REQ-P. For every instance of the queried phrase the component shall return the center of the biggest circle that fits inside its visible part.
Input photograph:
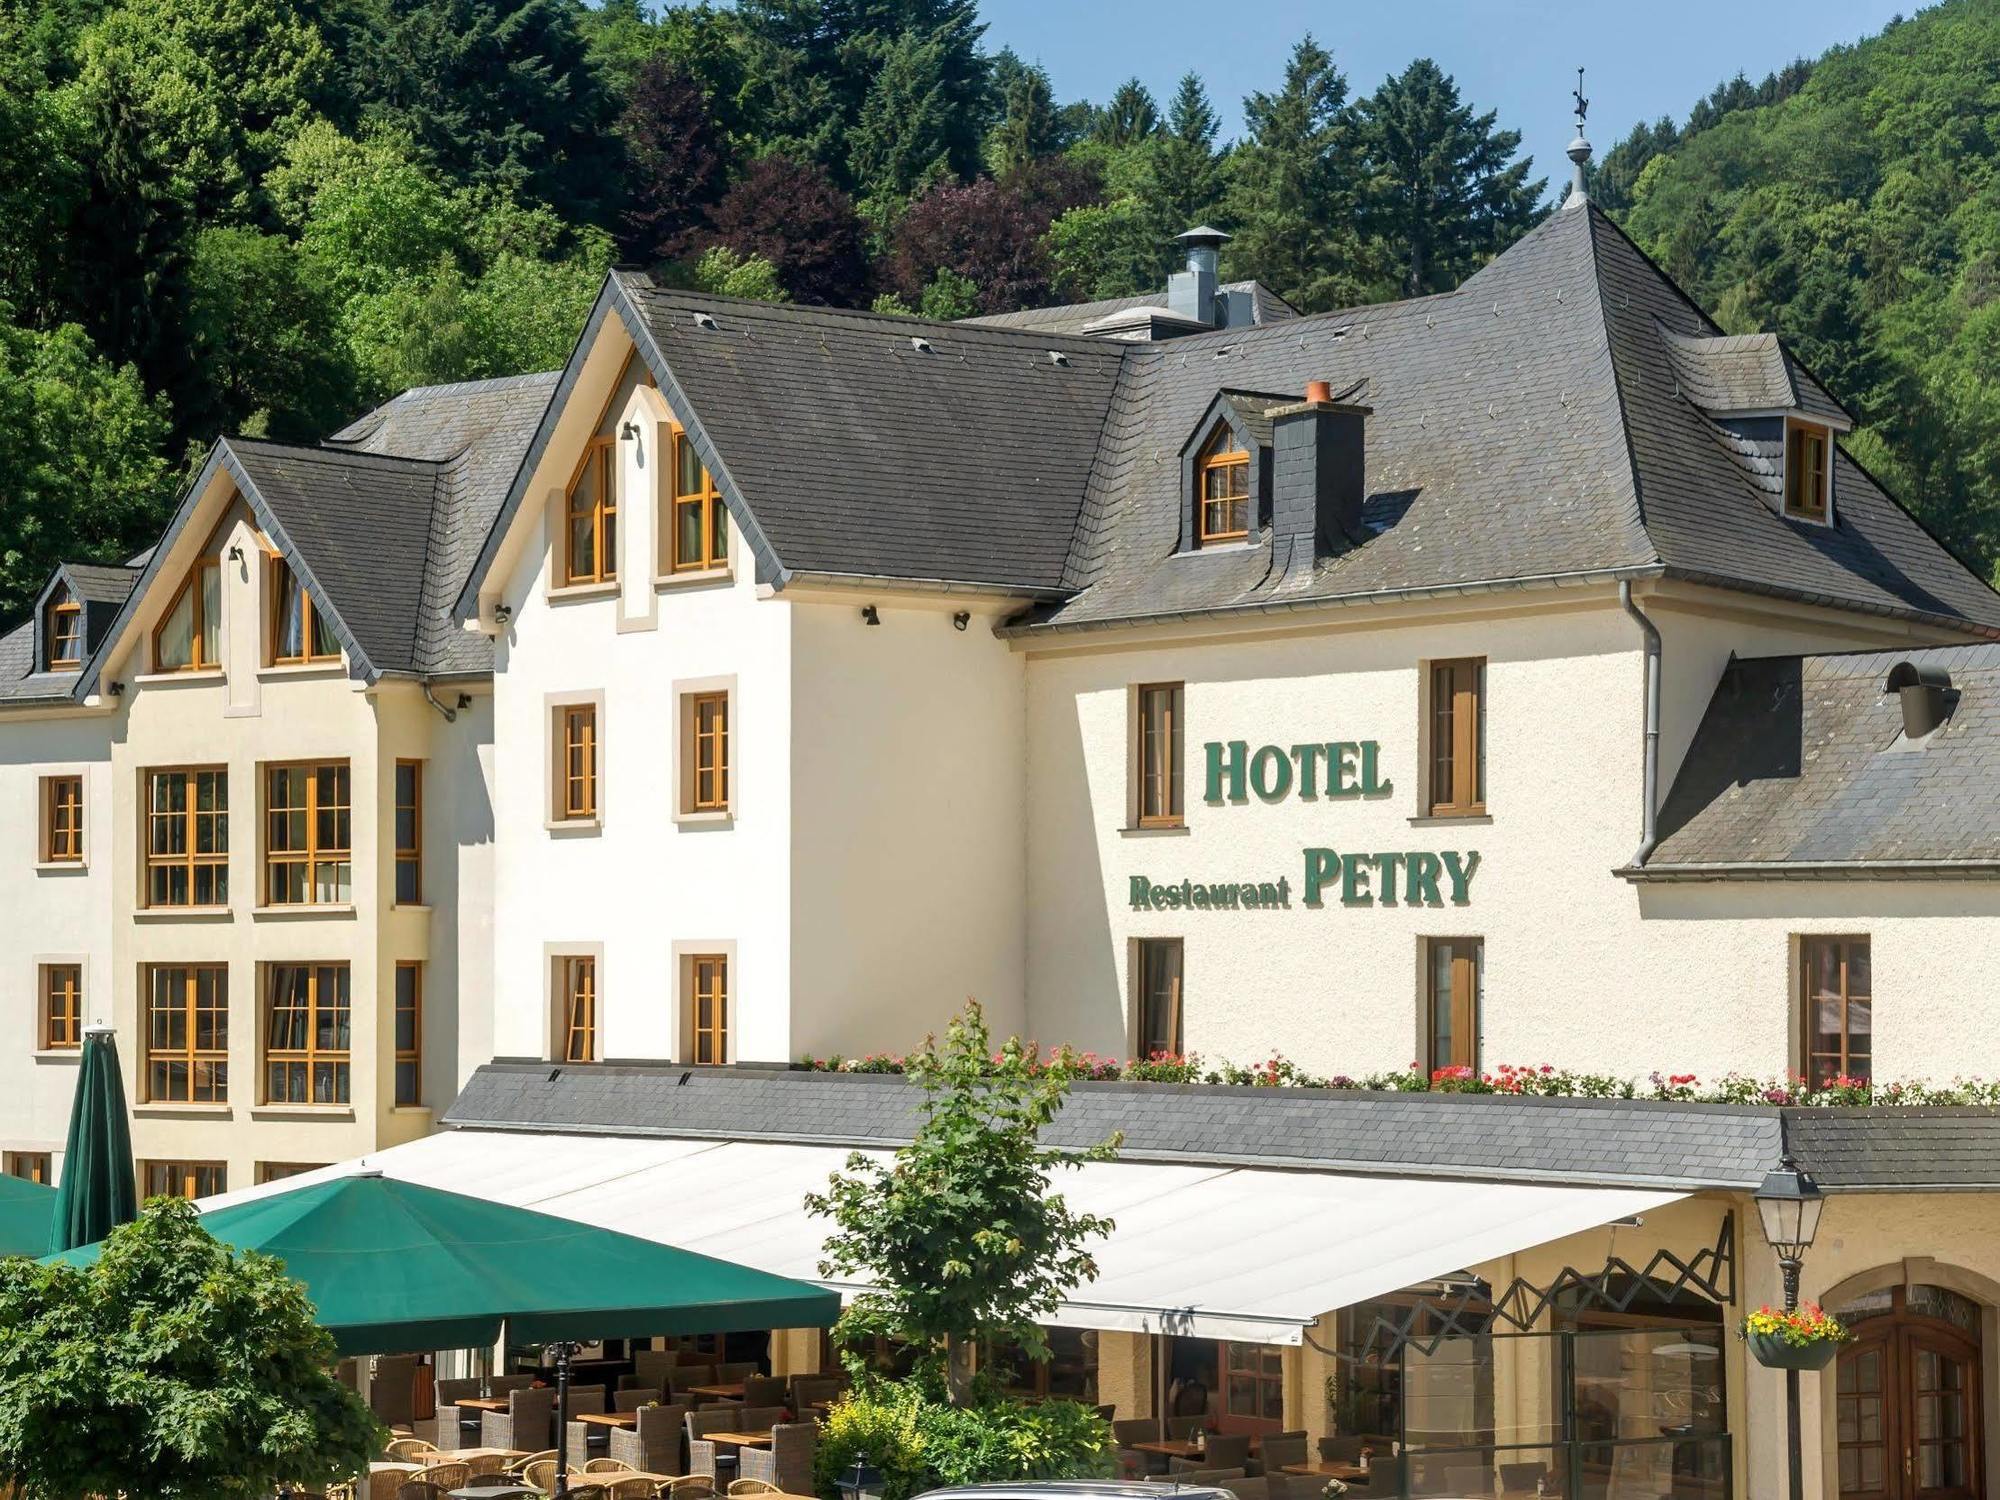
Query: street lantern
(861, 1481)
(1789, 1202)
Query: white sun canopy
(1219, 1252)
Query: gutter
(1817, 870)
(819, 577)
(1649, 811)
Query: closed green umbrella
(98, 1192)
(26, 1209)
(398, 1268)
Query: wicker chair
(753, 1487)
(1129, 1430)
(504, 1385)
(735, 1370)
(483, 1465)
(540, 1473)
(414, 1449)
(806, 1389)
(1222, 1450)
(447, 1477)
(634, 1398)
(1185, 1427)
(457, 1426)
(654, 1366)
(684, 1376)
(788, 1463)
(526, 1425)
(653, 1444)
(688, 1487)
(392, 1394)
(756, 1418)
(1279, 1449)
(418, 1489)
(587, 1492)
(638, 1487)
(764, 1390)
(519, 1463)
(606, 1466)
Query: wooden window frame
(1142, 950)
(188, 1004)
(1454, 737)
(1819, 508)
(579, 1014)
(305, 1061)
(198, 660)
(191, 859)
(707, 501)
(1467, 999)
(598, 512)
(59, 1005)
(313, 856)
(576, 763)
(1267, 1386)
(277, 1171)
(1218, 453)
(409, 1061)
(281, 576)
(410, 852)
(182, 1179)
(1844, 943)
(1153, 769)
(64, 628)
(40, 1166)
(710, 998)
(707, 752)
(62, 819)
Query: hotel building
(1521, 675)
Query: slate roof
(98, 584)
(102, 589)
(1266, 306)
(1746, 372)
(1800, 767)
(1607, 1141)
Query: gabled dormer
(76, 607)
(1226, 472)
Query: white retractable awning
(1220, 1252)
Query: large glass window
(307, 1034)
(1222, 490)
(299, 631)
(698, 531)
(308, 835)
(1159, 754)
(187, 1034)
(187, 838)
(590, 551)
(1157, 997)
(62, 820)
(189, 635)
(64, 632)
(1837, 1009)
(61, 1007)
(182, 1179)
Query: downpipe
(1649, 823)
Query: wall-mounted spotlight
(870, 615)
(236, 552)
(962, 619)
(629, 431)
(502, 613)
(465, 700)
(117, 689)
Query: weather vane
(1582, 104)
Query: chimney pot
(1318, 390)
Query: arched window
(1222, 490)
(64, 632)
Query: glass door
(1907, 1409)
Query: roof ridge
(325, 455)
(1608, 352)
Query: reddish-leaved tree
(796, 217)
(985, 231)
(678, 161)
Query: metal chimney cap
(1203, 234)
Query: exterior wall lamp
(962, 619)
(1788, 1204)
(870, 615)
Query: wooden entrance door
(1907, 1409)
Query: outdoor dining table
(509, 1490)
(607, 1418)
(482, 1403)
(740, 1439)
(1330, 1468)
(1169, 1448)
(731, 1390)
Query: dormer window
(64, 632)
(299, 632)
(590, 531)
(189, 636)
(1222, 490)
(698, 532)
(1808, 471)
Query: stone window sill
(184, 914)
(304, 910)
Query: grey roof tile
(1074, 317)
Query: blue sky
(1516, 56)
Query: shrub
(919, 1442)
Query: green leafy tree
(1295, 185)
(1445, 190)
(257, 325)
(41, 175)
(961, 1235)
(902, 139)
(1029, 127)
(171, 1369)
(722, 271)
(1130, 117)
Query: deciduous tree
(793, 215)
(678, 160)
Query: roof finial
(1579, 149)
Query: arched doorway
(1906, 1396)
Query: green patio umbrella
(397, 1268)
(26, 1209)
(98, 1191)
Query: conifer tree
(903, 136)
(1186, 182)
(1130, 117)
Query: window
(1457, 738)
(576, 1014)
(698, 534)
(1808, 471)
(1158, 747)
(708, 1008)
(1222, 490)
(182, 1179)
(306, 1034)
(187, 1034)
(278, 1171)
(308, 835)
(61, 1007)
(409, 1035)
(409, 833)
(590, 531)
(32, 1166)
(187, 838)
(1451, 1006)
(1157, 993)
(705, 783)
(64, 632)
(189, 637)
(1253, 1382)
(1837, 1006)
(576, 763)
(62, 820)
(299, 631)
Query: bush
(919, 1442)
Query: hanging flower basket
(1806, 1339)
